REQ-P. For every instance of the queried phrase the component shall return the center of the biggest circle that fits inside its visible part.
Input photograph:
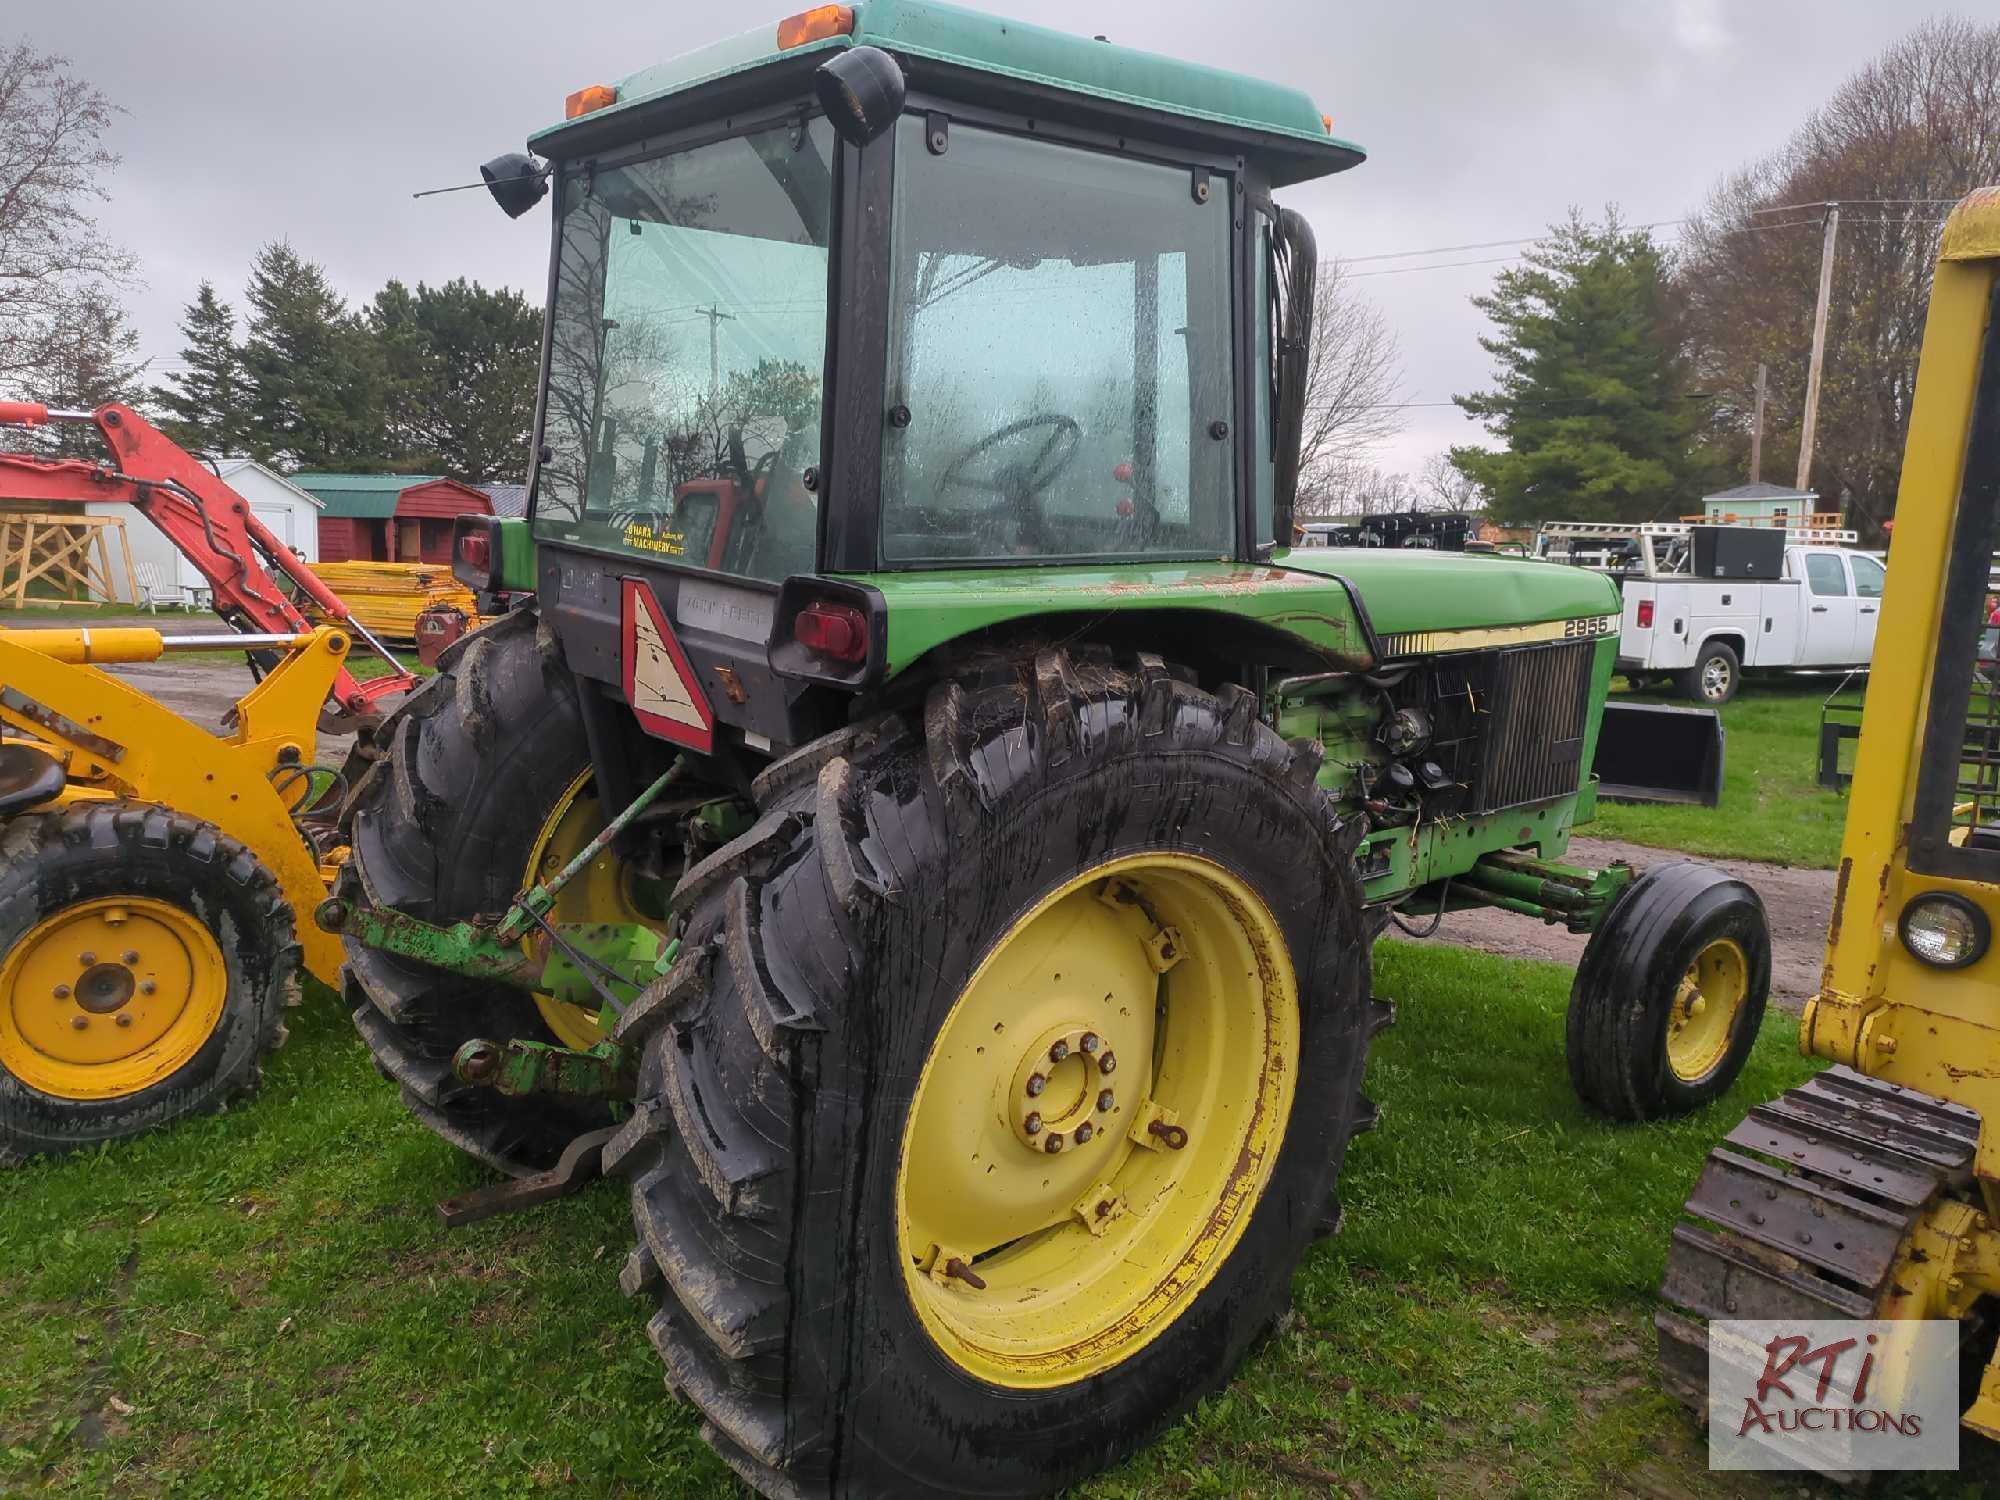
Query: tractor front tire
(1670, 993)
(444, 828)
(1006, 1073)
(146, 963)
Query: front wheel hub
(106, 998)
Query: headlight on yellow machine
(1945, 930)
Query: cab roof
(954, 51)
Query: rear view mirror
(861, 89)
(516, 182)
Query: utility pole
(1818, 345)
(715, 316)
(1757, 428)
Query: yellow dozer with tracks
(1873, 1191)
(155, 877)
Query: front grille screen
(1538, 708)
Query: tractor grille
(1539, 703)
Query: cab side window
(1868, 575)
(1825, 575)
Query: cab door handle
(1819, 609)
(1868, 609)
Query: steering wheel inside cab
(1013, 465)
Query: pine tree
(203, 402)
(460, 364)
(87, 356)
(1589, 397)
(312, 372)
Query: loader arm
(209, 522)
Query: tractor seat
(28, 777)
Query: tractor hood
(1418, 600)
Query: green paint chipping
(920, 32)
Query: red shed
(389, 517)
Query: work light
(1945, 930)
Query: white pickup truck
(1705, 633)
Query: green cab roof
(924, 34)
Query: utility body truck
(927, 829)
(1802, 599)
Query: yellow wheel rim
(104, 999)
(601, 893)
(1147, 1003)
(1705, 1007)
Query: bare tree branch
(1353, 379)
(53, 163)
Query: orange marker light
(814, 25)
(583, 101)
(1326, 123)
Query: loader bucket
(1654, 752)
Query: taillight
(836, 630)
(1645, 614)
(475, 552)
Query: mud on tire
(99, 850)
(442, 828)
(822, 950)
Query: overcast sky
(248, 121)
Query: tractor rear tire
(830, 952)
(443, 828)
(166, 945)
(1670, 993)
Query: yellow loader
(1873, 1191)
(156, 879)
(150, 873)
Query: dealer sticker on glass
(1835, 1396)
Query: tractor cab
(895, 288)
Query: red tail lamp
(1645, 614)
(836, 630)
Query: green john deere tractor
(928, 828)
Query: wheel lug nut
(1036, 1083)
(1105, 1101)
(79, 1022)
(124, 1019)
(1058, 1052)
(1088, 1041)
(1033, 1124)
(146, 986)
(1084, 1132)
(1108, 1063)
(129, 956)
(86, 959)
(1054, 1143)
(62, 992)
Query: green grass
(1772, 805)
(262, 1303)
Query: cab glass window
(1825, 575)
(688, 351)
(1059, 372)
(1868, 576)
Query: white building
(291, 514)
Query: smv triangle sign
(660, 683)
